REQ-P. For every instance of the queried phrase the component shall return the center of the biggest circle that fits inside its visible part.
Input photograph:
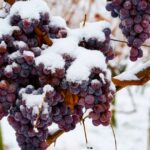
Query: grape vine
(46, 76)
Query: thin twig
(127, 42)
(85, 19)
(114, 135)
(85, 134)
(39, 113)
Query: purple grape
(135, 20)
(94, 44)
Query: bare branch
(52, 138)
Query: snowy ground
(131, 131)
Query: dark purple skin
(135, 22)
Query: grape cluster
(94, 44)
(37, 95)
(135, 22)
(31, 123)
(95, 95)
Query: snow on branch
(136, 76)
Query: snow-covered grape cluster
(105, 46)
(48, 77)
(135, 22)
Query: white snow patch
(36, 101)
(48, 88)
(20, 44)
(5, 27)
(14, 55)
(28, 53)
(95, 81)
(29, 9)
(14, 64)
(8, 68)
(131, 74)
(33, 100)
(51, 61)
(91, 30)
(45, 106)
(58, 21)
(85, 61)
(3, 44)
(102, 77)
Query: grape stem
(85, 19)
(44, 36)
(86, 139)
(39, 113)
(114, 136)
(126, 42)
(52, 138)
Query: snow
(48, 88)
(95, 81)
(102, 78)
(2, 82)
(8, 68)
(14, 55)
(5, 27)
(20, 44)
(53, 128)
(3, 44)
(2, 14)
(50, 60)
(82, 66)
(36, 101)
(85, 60)
(90, 30)
(59, 46)
(131, 73)
(33, 100)
(29, 9)
(28, 53)
(109, 77)
(52, 57)
(14, 64)
(58, 21)
(45, 106)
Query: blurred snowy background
(132, 105)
